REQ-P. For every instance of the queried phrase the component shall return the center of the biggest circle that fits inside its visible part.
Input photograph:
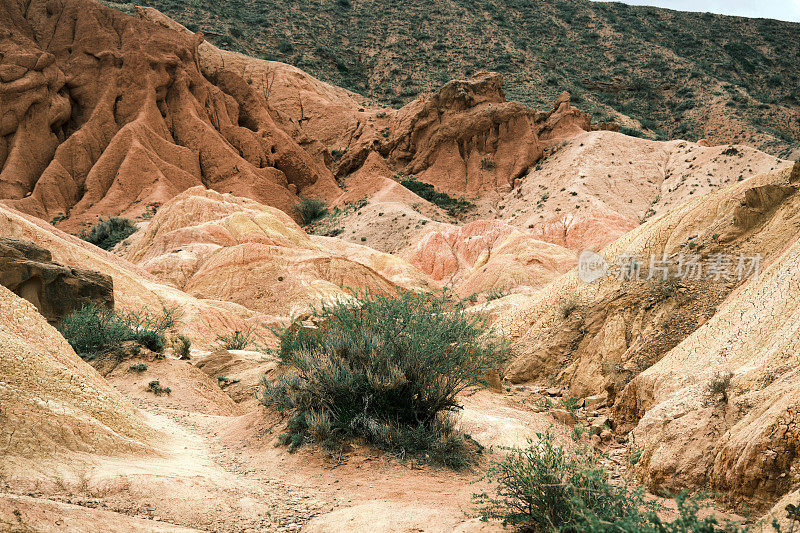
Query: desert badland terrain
(605, 265)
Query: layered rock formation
(654, 347)
(133, 122)
(54, 404)
(28, 270)
(223, 247)
(489, 255)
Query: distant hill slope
(657, 72)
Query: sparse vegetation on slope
(386, 371)
(453, 206)
(662, 68)
(94, 330)
(311, 209)
(109, 232)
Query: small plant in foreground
(386, 371)
(138, 368)
(109, 232)
(548, 488)
(156, 388)
(310, 209)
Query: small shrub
(546, 488)
(571, 403)
(223, 381)
(138, 368)
(494, 294)
(385, 370)
(310, 209)
(566, 306)
(487, 163)
(237, 340)
(182, 346)
(109, 232)
(152, 340)
(719, 385)
(156, 388)
(635, 456)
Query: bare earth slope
(653, 347)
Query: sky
(773, 9)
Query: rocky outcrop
(466, 139)
(655, 347)
(54, 404)
(55, 290)
(121, 117)
(221, 247)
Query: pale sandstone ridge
(597, 186)
(653, 347)
(134, 123)
(222, 247)
(54, 404)
(134, 288)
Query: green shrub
(427, 191)
(95, 330)
(237, 340)
(310, 209)
(494, 294)
(182, 346)
(386, 370)
(138, 368)
(152, 340)
(547, 488)
(109, 232)
(156, 388)
(487, 163)
(719, 385)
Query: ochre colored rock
(221, 247)
(141, 123)
(55, 290)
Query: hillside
(658, 73)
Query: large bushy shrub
(385, 370)
(109, 232)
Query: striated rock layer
(55, 290)
(655, 347)
(104, 114)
